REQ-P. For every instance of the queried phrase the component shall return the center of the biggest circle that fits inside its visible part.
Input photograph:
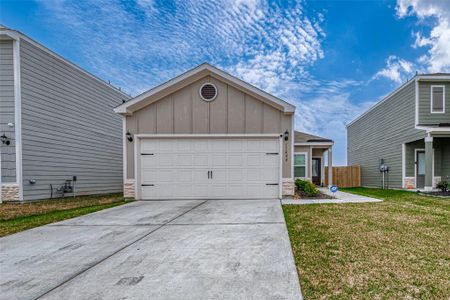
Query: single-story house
(404, 140)
(56, 124)
(207, 134)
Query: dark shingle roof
(303, 137)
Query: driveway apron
(180, 249)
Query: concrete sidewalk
(340, 197)
(184, 249)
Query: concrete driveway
(189, 249)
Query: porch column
(428, 163)
(330, 167)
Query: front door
(316, 171)
(420, 169)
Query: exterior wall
(441, 169)
(232, 112)
(410, 158)
(425, 115)
(381, 133)
(8, 153)
(312, 153)
(442, 159)
(68, 127)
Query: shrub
(300, 184)
(307, 187)
(444, 186)
(311, 190)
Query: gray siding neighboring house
(8, 152)
(66, 124)
(402, 131)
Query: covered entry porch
(427, 161)
(311, 154)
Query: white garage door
(208, 168)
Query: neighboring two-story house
(56, 122)
(409, 132)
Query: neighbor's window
(300, 165)
(437, 99)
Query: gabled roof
(193, 75)
(303, 138)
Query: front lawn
(396, 249)
(16, 217)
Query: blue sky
(332, 59)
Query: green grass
(15, 217)
(396, 249)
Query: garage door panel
(236, 175)
(165, 146)
(217, 190)
(183, 176)
(182, 190)
(267, 175)
(200, 175)
(270, 160)
(184, 145)
(201, 160)
(219, 160)
(183, 160)
(270, 146)
(253, 160)
(200, 190)
(164, 159)
(200, 145)
(148, 192)
(241, 168)
(235, 160)
(164, 175)
(149, 176)
(149, 161)
(219, 175)
(235, 146)
(149, 146)
(254, 146)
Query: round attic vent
(208, 92)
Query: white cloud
(327, 115)
(437, 41)
(265, 44)
(396, 69)
(261, 42)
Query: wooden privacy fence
(349, 176)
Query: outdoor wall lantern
(286, 135)
(129, 137)
(5, 140)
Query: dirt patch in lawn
(10, 211)
(15, 217)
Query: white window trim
(443, 99)
(306, 165)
